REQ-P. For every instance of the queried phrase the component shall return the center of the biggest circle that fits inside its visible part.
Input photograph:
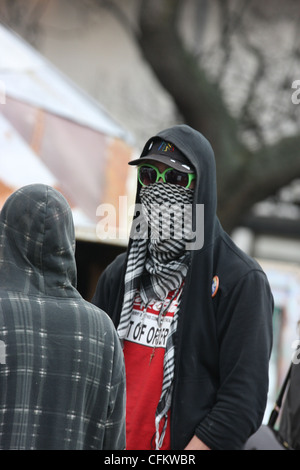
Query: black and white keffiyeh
(158, 265)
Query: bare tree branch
(268, 169)
(24, 16)
(198, 99)
(120, 15)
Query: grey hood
(37, 243)
(62, 379)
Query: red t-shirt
(144, 350)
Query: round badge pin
(215, 286)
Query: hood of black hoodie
(199, 152)
(37, 243)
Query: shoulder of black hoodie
(232, 264)
(243, 314)
(109, 289)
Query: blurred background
(84, 83)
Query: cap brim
(163, 159)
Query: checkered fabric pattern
(62, 380)
(156, 268)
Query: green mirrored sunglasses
(149, 174)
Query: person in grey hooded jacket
(193, 311)
(62, 380)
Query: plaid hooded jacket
(62, 383)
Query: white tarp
(51, 132)
(27, 76)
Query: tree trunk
(244, 177)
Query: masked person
(62, 376)
(193, 312)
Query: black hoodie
(223, 342)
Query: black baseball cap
(165, 152)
